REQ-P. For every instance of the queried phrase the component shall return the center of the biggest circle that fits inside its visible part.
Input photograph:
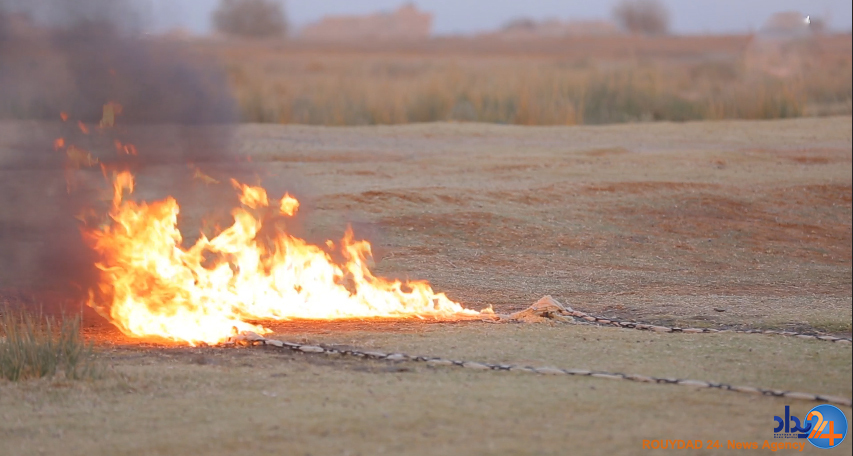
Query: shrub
(250, 18)
(33, 347)
(648, 17)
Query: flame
(82, 127)
(200, 175)
(127, 149)
(121, 181)
(288, 205)
(77, 157)
(151, 285)
(63, 116)
(111, 110)
(253, 197)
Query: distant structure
(528, 28)
(406, 23)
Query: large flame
(151, 285)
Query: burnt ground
(716, 224)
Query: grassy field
(218, 402)
(546, 81)
(743, 224)
(539, 82)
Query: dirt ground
(743, 224)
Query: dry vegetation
(37, 346)
(715, 224)
(538, 82)
(215, 402)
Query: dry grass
(222, 402)
(568, 81)
(672, 79)
(716, 224)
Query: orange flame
(253, 197)
(151, 285)
(78, 157)
(111, 110)
(127, 149)
(200, 175)
(63, 116)
(288, 205)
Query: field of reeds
(543, 82)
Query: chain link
(252, 339)
(673, 329)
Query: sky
(471, 16)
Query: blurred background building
(406, 23)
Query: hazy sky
(466, 16)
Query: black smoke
(73, 57)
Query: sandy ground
(717, 224)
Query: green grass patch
(38, 346)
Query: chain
(670, 329)
(252, 339)
(549, 308)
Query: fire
(253, 197)
(288, 205)
(108, 119)
(127, 149)
(151, 285)
(76, 157)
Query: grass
(35, 347)
(366, 86)
(656, 222)
(221, 401)
(538, 82)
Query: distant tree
(250, 18)
(521, 23)
(647, 17)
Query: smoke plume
(61, 62)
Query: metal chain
(252, 339)
(668, 329)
